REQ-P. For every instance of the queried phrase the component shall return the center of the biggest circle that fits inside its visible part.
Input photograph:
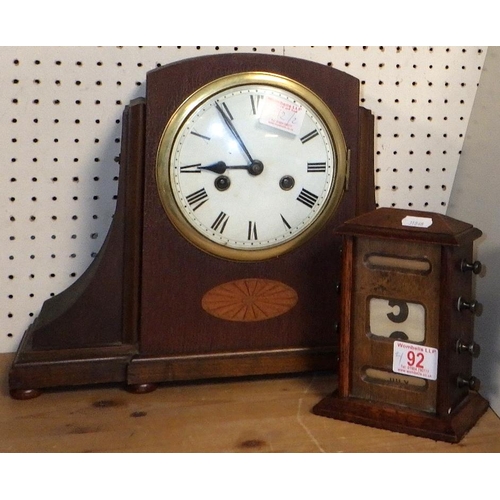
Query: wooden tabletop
(257, 415)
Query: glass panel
(375, 375)
(379, 261)
(397, 319)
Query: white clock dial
(252, 166)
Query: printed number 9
(416, 360)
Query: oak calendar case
(407, 339)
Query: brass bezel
(197, 99)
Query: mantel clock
(407, 325)
(235, 169)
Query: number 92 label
(415, 360)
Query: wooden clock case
(446, 407)
(135, 317)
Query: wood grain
(246, 415)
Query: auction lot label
(415, 360)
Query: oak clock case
(221, 259)
(407, 342)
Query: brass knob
(473, 349)
(475, 267)
(473, 306)
(472, 383)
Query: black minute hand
(230, 126)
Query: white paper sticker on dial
(397, 319)
(282, 114)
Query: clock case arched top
(101, 329)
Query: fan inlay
(249, 300)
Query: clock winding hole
(287, 182)
(222, 183)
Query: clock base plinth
(157, 369)
(451, 428)
(35, 369)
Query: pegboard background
(60, 126)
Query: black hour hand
(255, 168)
(218, 168)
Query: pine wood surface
(271, 414)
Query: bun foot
(24, 394)
(141, 388)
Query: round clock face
(250, 166)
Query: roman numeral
(319, 166)
(285, 222)
(197, 199)
(191, 169)
(255, 100)
(307, 198)
(200, 135)
(220, 222)
(252, 230)
(309, 136)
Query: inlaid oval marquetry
(251, 299)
